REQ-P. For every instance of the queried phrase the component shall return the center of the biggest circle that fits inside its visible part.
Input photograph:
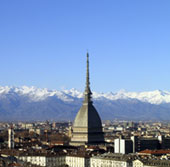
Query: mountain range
(31, 103)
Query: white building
(110, 160)
(56, 161)
(47, 161)
(123, 146)
(77, 161)
(11, 142)
(117, 144)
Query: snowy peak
(38, 94)
(35, 94)
(153, 97)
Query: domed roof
(87, 117)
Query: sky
(43, 43)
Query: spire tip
(87, 89)
(87, 54)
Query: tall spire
(87, 93)
(87, 126)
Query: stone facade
(110, 160)
(77, 161)
(46, 161)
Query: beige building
(77, 161)
(56, 161)
(110, 160)
(151, 163)
(44, 160)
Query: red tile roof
(14, 165)
(155, 152)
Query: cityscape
(85, 142)
(69, 124)
(126, 143)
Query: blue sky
(44, 44)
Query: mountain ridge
(153, 97)
(31, 103)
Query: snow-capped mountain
(37, 94)
(17, 103)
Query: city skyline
(44, 44)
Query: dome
(87, 117)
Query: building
(164, 141)
(43, 160)
(87, 126)
(110, 160)
(77, 161)
(11, 161)
(148, 143)
(150, 163)
(11, 143)
(141, 143)
(123, 146)
(135, 143)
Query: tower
(11, 143)
(87, 126)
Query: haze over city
(44, 43)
